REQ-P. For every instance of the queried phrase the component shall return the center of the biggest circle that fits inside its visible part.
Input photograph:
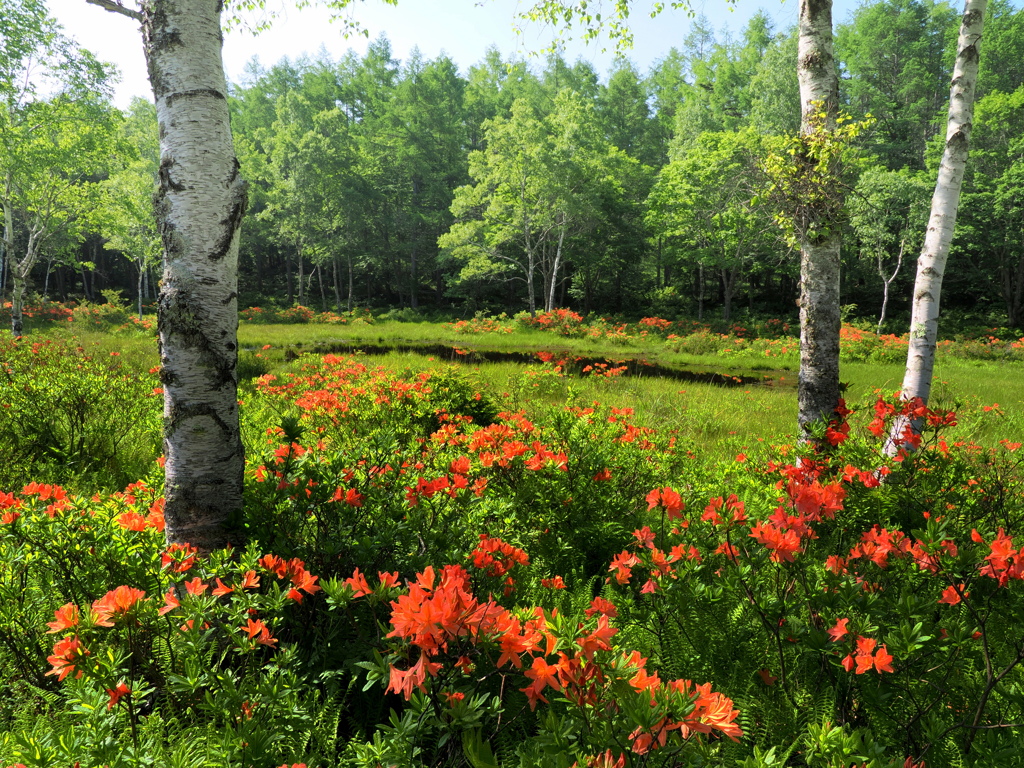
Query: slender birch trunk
(818, 387)
(931, 264)
(887, 283)
(352, 285)
(554, 269)
(21, 269)
(337, 285)
(199, 206)
(141, 283)
(6, 243)
(18, 284)
(700, 292)
(302, 277)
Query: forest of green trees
(518, 185)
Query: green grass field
(714, 418)
(720, 419)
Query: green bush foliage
(70, 416)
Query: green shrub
(69, 417)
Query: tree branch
(116, 7)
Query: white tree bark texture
(200, 201)
(931, 264)
(818, 385)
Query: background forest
(409, 184)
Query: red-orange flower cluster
(496, 558)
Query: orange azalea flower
(883, 661)
(643, 680)
(302, 579)
(250, 580)
(178, 558)
(116, 604)
(865, 645)
(952, 595)
(606, 760)
(196, 586)
(542, 674)
(259, 632)
(453, 697)
(839, 631)
(402, 682)
(170, 603)
(65, 617)
(66, 654)
(623, 564)
(598, 639)
(132, 521)
(221, 589)
(360, 586)
(116, 693)
(600, 605)
(274, 564)
(495, 557)
(8, 500)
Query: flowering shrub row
(770, 339)
(430, 580)
(481, 324)
(301, 314)
(114, 317)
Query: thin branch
(115, 7)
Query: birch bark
(200, 202)
(818, 386)
(931, 264)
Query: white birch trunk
(887, 283)
(554, 269)
(818, 387)
(21, 269)
(6, 249)
(199, 205)
(18, 284)
(931, 264)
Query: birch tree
(56, 133)
(200, 201)
(818, 386)
(125, 214)
(931, 264)
(537, 183)
(887, 214)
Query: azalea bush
(111, 316)
(564, 322)
(301, 314)
(481, 324)
(433, 577)
(180, 663)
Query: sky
(463, 29)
